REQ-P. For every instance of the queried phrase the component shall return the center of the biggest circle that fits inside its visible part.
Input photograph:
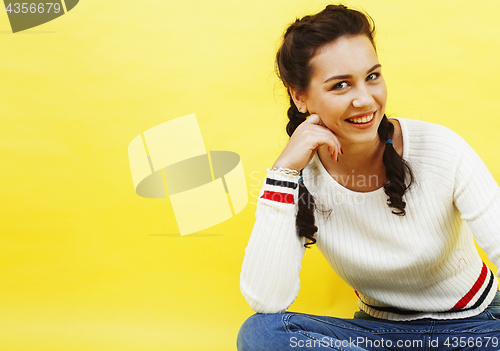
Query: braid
(304, 221)
(295, 117)
(305, 214)
(396, 170)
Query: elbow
(267, 303)
(265, 307)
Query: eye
(340, 85)
(373, 76)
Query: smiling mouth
(361, 120)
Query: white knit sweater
(422, 265)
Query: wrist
(287, 171)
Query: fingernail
(337, 158)
(341, 152)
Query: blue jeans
(298, 331)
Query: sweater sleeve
(270, 272)
(477, 196)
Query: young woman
(384, 199)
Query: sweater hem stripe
(473, 291)
(477, 304)
(484, 294)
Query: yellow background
(85, 263)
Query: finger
(321, 121)
(316, 119)
(333, 149)
(313, 119)
(330, 141)
(333, 156)
(333, 143)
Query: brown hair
(302, 40)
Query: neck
(360, 158)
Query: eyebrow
(348, 76)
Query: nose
(363, 97)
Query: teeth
(361, 119)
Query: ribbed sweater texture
(421, 265)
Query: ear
(299, 99)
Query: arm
(270, 272)
(477, 197)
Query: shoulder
(425, 129)
(430, 140)
(436, 154)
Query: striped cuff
(280, 187)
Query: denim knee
(256, 333)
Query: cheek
(341, 105)
(332, 113)
(337, 103)
(330, 107)
(382, 99)
(382, 91)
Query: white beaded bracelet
(287, 171)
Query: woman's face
(347, 89)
